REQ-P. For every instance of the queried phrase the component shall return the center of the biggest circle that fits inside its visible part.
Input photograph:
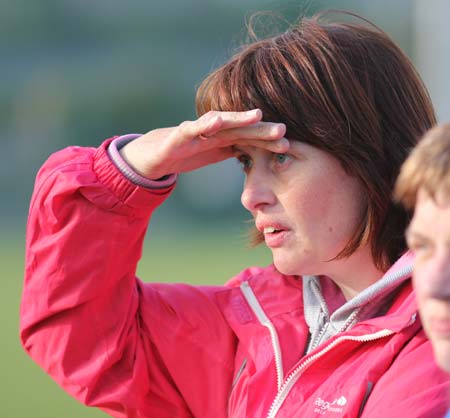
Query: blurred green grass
(199, 256)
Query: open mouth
(271, 230)
(275, 237)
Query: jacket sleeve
(413, 387)
(131, 348)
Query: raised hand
(207, 140)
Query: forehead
(431, 214)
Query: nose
(257, 192)
(435, 279)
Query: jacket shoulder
(256, 274)
(413, 385)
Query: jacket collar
(280, 294)
(320, 293)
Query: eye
(281, 159)
(245, 162)
(419, 247)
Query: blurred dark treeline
(75, 72)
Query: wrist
(118, 152)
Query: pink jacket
(145, 350)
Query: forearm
(84, 238)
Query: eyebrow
(412, 233)
(236, 152)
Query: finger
(231, 120)
(263, 131)
(214, 121)
(280, 146)
(200, 128)
(246, 116)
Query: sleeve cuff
(114, 154)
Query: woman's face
(304, 203)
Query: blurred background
(74, 72)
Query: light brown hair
(345, 88)
(426, 168)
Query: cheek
(314, 201)
(418, 281)
(312, 214)
(326, 203)
(337, 213)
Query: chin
(282, 266)
(442, 354)
(289, 268)
(298, 261)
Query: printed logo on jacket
(323, 406)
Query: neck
(355, 273)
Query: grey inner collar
(371, 302)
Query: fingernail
(253, 112)
(277, 129)
(283, 144)
(283, 128)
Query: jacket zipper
(265, 321)
(285, 388)
(295, 375)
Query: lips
(268, 227)
(440, 327)
(275, 234)
(270, 230)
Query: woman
(321, 118)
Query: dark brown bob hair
(343, 87)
